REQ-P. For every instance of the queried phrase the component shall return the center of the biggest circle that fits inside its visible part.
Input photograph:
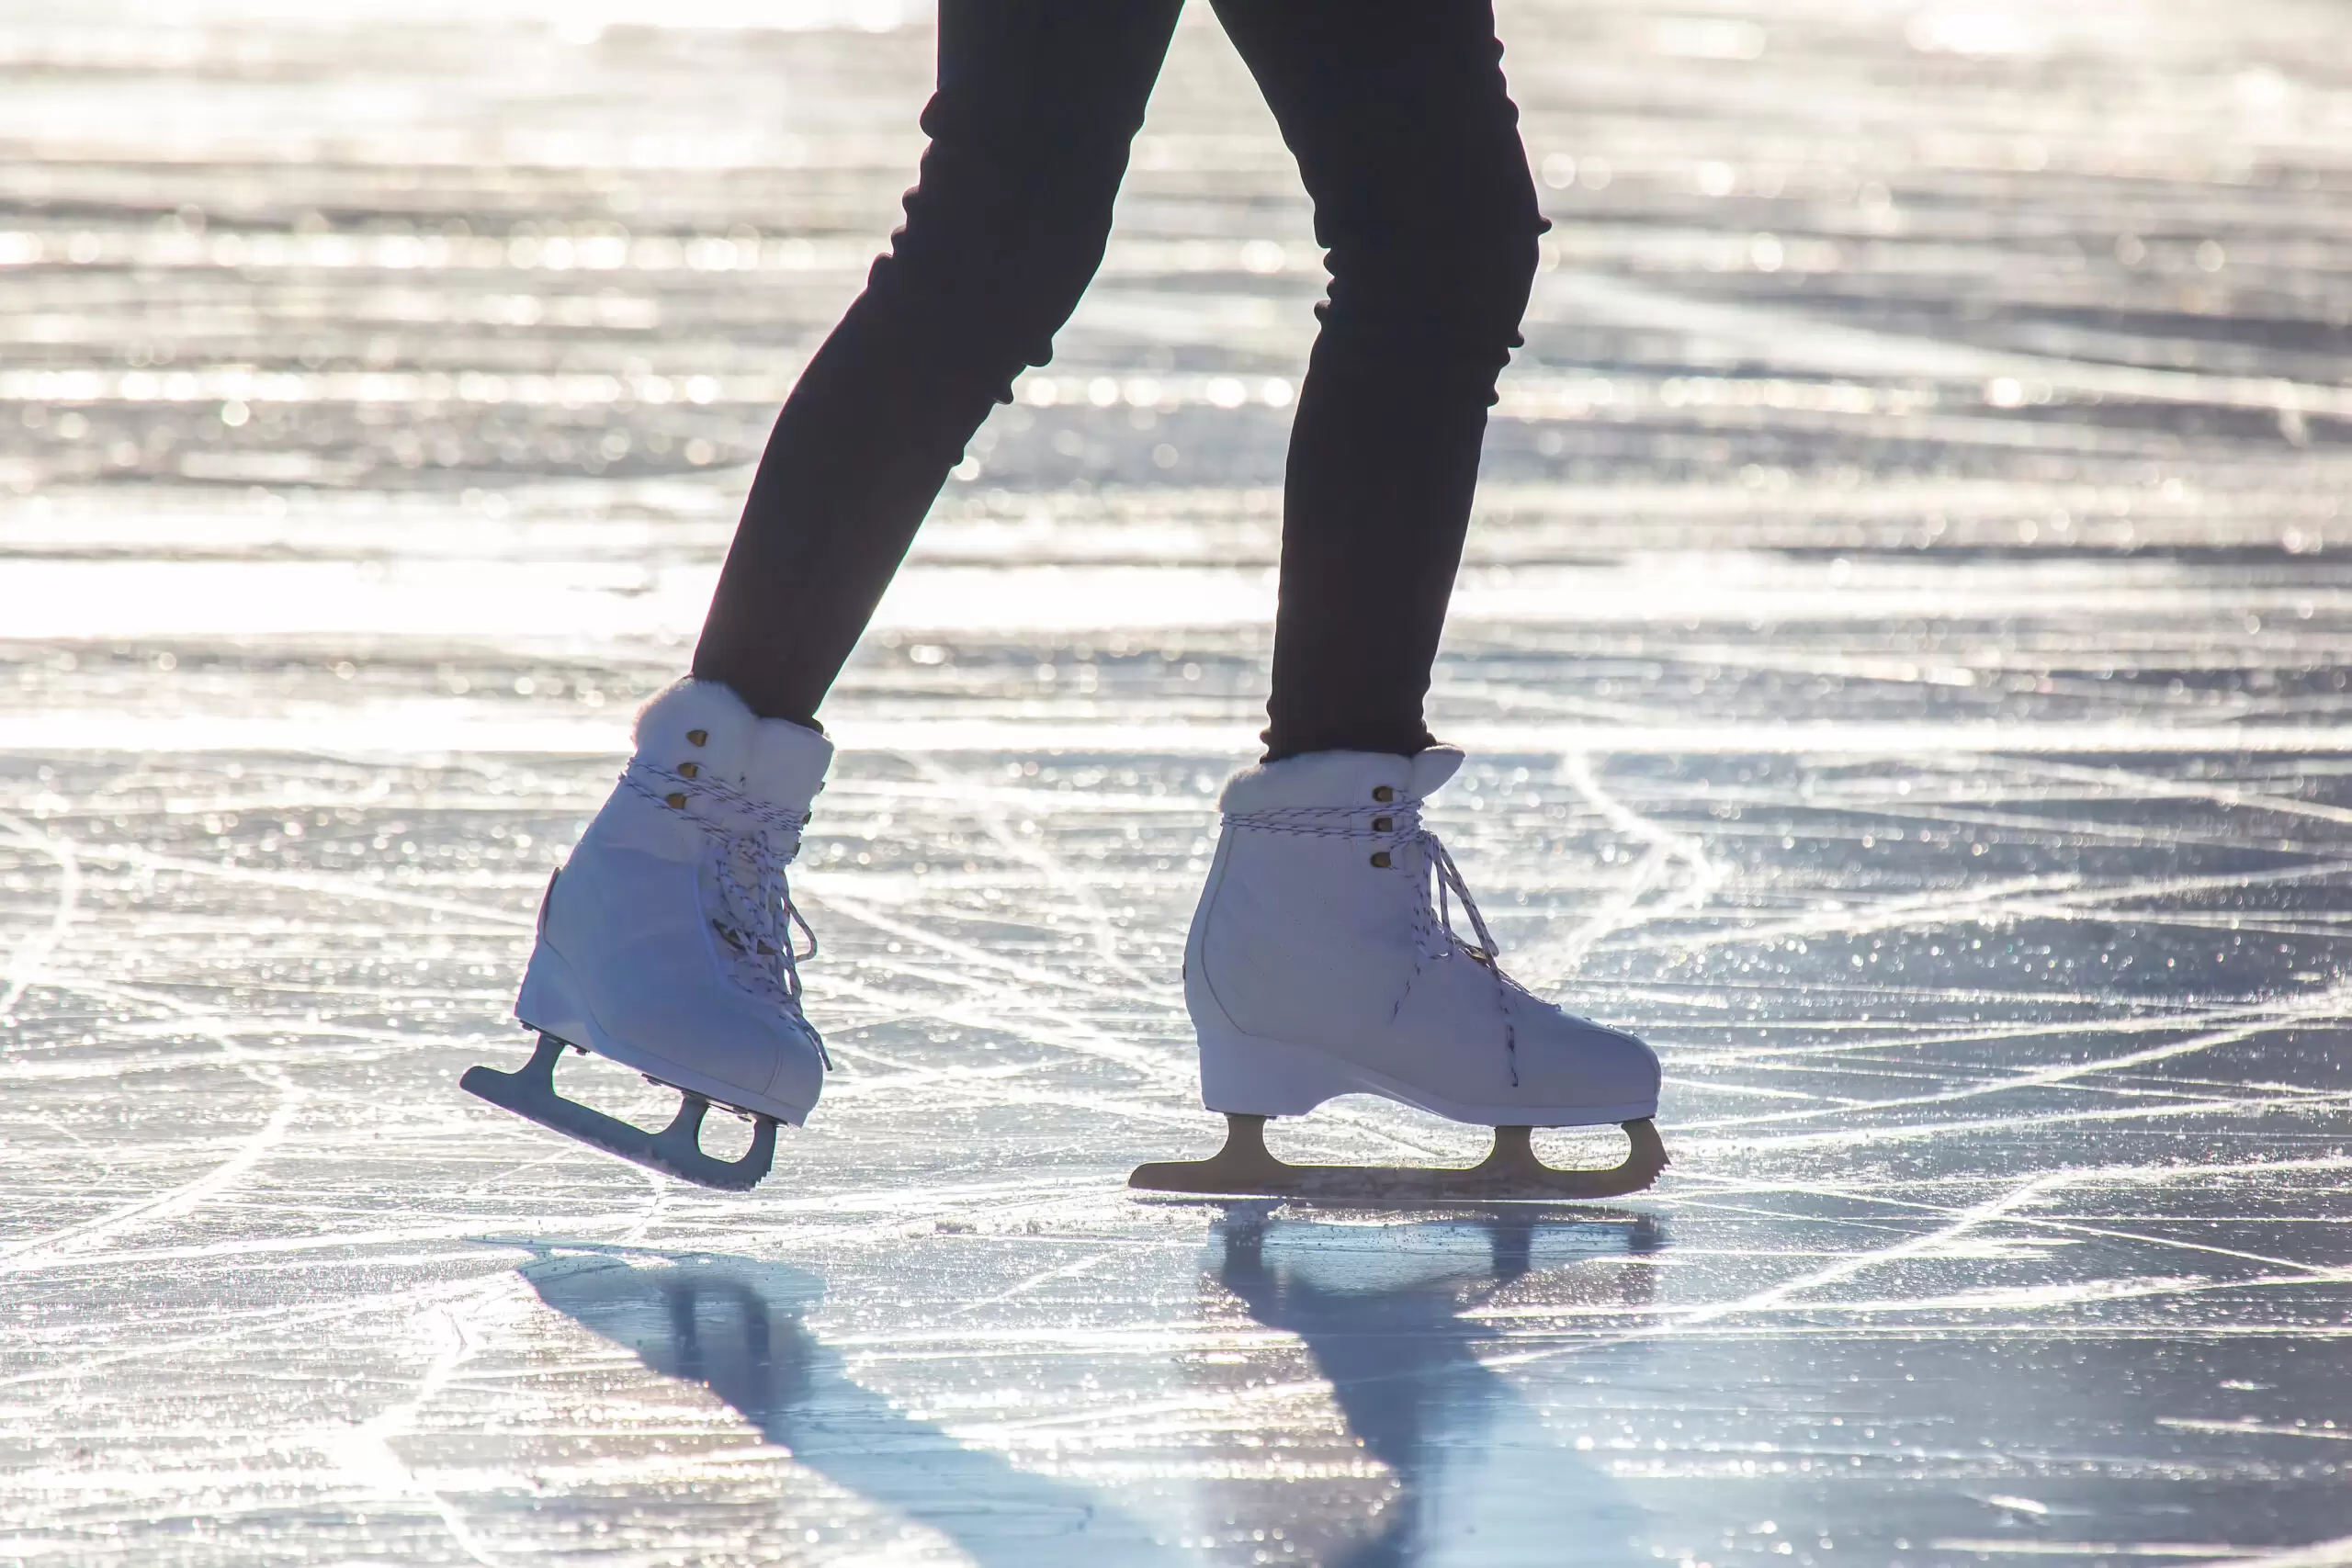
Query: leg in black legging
(1037, 104)
(1408, 140)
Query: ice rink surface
(1903, 647)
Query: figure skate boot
(1319, 965)
(666, 940)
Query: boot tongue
(1432, 768)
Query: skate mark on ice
(334, 1043)
(2299, 1273)
(835, 897)
(2011, 1207)
(1021, 1014)
(989, 1011)
(2318, 1434)
(1958, 1224)
(1862, 1137)
(1038, 858)
(25, 963)
(1617, 913)
(2130, 783)
(2214, 1554)
(1073, 1270)
(365, 1451)
(2041, 1077)
(244, 1326)
(248, 1153)
(2324, 1006)
(253, 1250)
(1153, 1113)
(656, 1195)
(313, 881)
(1791, 336)
(2244, 1024)
(1994, 905)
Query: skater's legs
(1408, 140)
(1036, 103)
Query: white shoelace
(1433, 918)
(756, 842)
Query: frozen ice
(1903, 649)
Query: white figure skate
(1318, 966)
(666, 940)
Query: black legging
(1408, 140)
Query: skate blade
(676, 1150)
(1246, 1168)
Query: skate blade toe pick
(676, 1150)
(1245, 1168)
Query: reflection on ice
(1386, 1313)
(1390, 1316)
(735, 1328)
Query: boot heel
(1245, 1074)
(549, 1001)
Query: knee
(1489, 274)
(981, 310)
(987, 265)
(1452, 267)
(971, 316)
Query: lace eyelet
(676, 802)
(1383, 824)
(1384, 793)
(1380, 859)
(698, 737)
(688, 771)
